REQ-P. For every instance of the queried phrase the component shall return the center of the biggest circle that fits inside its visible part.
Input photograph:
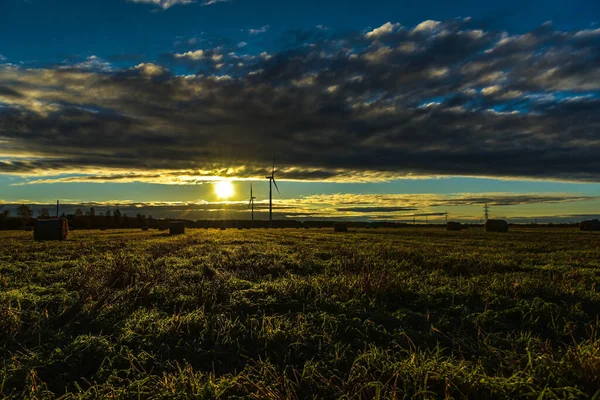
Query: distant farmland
(289, 314)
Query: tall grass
(289, 314)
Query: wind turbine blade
(273, 171)
(275, 183)
(250, 202)
(250, 190)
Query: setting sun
(224, 189)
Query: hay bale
(590, 225)
(103, 228)
(223, 228)
(340, 227)
(162, 228)
(51, 229)
(453, 226)
(496, 225)
(177, 228)
(29, 228)
(145, 228)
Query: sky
(370, 110)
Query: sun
(224, 189)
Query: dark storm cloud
(8, 92)
(411, 202)
(511, 200)
(441, 98)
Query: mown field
(295, 313)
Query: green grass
(287, 314)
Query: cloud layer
(438, 99)
(373, 207)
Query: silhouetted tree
(24, 211)
(44, 213)
(92, 212)
(4, 216)
(117, 218)
(78, 212)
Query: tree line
(80, 219)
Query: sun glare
(224, 189)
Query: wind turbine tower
(251, 203)
(271, 183)
(486, 212)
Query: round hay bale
(145, 228)
(177, 228)
(496, 225)
(453, 226)
(589, 225)
(223, 228)
(340, 227)
(51, 229)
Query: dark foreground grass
(286, 314)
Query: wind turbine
(271, 183)
(251, 203)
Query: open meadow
(297, 313)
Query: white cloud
(438, 72)
(407, 47)
(92, 63)
(490, 90)
(242, 44)
(426, 26)
(164, 4)
(2, 58)
(259, 30)
(383, 30)
(150, 69)
(192, 55)
(211, 2)
(197, 55)
(588, 33)
(474, 34)
(378, 55)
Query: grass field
(404, 313)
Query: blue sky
(152, 101)
(49, 31)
